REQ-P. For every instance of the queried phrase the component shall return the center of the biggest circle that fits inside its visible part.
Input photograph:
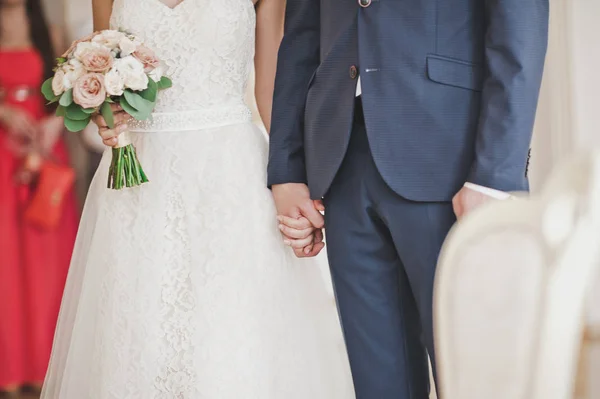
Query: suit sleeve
(515, 50)
(297, 61)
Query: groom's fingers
(318, 236)
(316, 239)
(317, 248)
(313, 215)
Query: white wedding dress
(182, 288)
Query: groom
(400, 115)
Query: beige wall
(585, 67)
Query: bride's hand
(109, 136)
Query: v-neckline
(169, 7)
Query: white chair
(511, 289)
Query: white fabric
(182, 288)
(490, 192)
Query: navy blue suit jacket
(449, 91)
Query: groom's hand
(466, 200)
(293, 203)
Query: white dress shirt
(490, 192)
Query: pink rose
(76, 42)
(97, 60)
(89, 90)
(147, 57)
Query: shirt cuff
(490, 192)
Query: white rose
(127, 46)
(114, 83)
(73, 70)
(58, 85)
(132, 72)
(109, 38)
(83, 48)
(157, 73)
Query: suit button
(364, 3)
(353, 72)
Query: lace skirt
(182, 288)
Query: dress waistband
(193, 120)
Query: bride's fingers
(111, 142)
(295, 234)
(299, 244)
(110, 133)
(299, 224)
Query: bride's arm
(102, 10)
(269, 32)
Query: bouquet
(104, 68)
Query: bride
(182, 288)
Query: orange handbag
(47, 203)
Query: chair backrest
(510, 292)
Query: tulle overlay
(182, 288)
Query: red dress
(33, 262)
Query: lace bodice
(206, 45)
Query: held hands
(300, 220)
(109, 136)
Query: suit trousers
(383, 251)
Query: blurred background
(35, 250)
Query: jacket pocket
(457, 73)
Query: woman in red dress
(33, 261)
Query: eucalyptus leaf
(89, 110)
(67, 98)
(135, 114)
(76, 126)
(150, 93)
(165, 83)
(47, 90)
(75, 113)
(61, 111)
(107, 114)
(139, 115)
(137, 101)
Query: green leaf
(76, 126)
(137, 101)
(67, 98)
(47, 90)
(89, 110)
(151, 92)
(75, 113)
(164, 83)
(61, 60)
(107, 114)
(61, 111)
(138, 115)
